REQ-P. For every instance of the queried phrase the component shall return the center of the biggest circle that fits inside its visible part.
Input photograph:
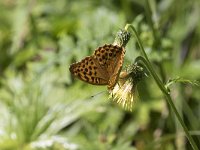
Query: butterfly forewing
(89, 71)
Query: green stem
(148, 64)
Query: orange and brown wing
(110, 58)
(88, 70)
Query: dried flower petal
(125, 91)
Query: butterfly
(101, 68)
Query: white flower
(125, 91)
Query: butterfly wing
(110, 58)
(102, 68)
(88, 70)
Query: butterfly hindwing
(116, 71)
(111, 58)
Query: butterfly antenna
(97, 94)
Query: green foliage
(43, 107)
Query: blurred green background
(42, 107)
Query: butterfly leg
(118, 84)
(112, 95)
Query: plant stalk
(148, 64)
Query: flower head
(125, 91)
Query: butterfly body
(101, 68)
